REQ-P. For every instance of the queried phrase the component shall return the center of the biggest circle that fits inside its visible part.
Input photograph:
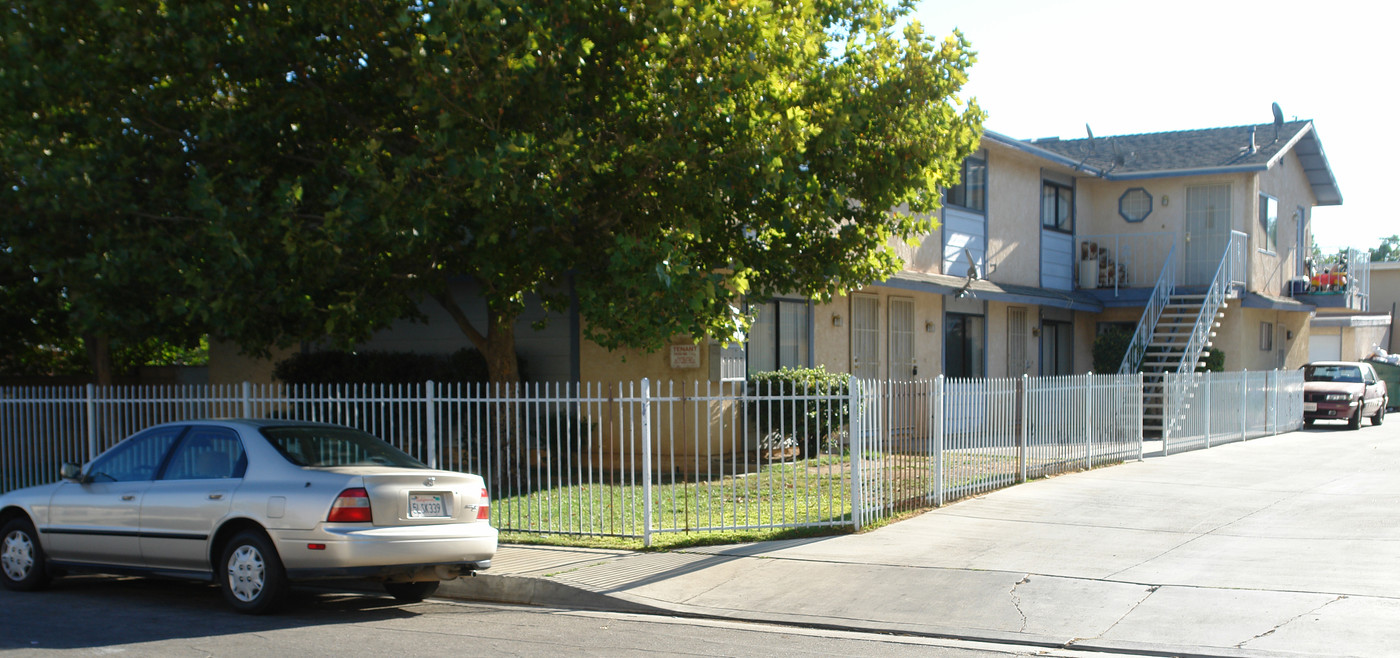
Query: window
(971, 190)
(207, 453)
(780, 336)
(1266, 336)
(1268, 220)
(965, 346)
(1135, 204)
(135, 459)
(1057, 206)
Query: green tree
(1389, 250)
(281, 173)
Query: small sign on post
(685, 356)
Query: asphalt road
(87, 615)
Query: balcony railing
(1130, 260)
(1347, 273)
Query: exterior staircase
(1171, 350)
(1175, 333)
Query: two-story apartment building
(1041, 246)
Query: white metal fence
(638, 458)
(1224, 407)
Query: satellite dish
(971, 265)
(1278, 121)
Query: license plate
(1309, 406)
(422, 506)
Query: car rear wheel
(22, 563)
(411, 592)
(1380, 414)
(250, 573)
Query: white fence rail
(638, 458)
(1224, 407)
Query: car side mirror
(71, 471)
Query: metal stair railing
(1161, 295)
(1229, 272)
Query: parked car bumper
(1329, 410)
(356, 550)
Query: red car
(1343, 390)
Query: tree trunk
(99, 350)
(498, 349)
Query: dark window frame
(805, 356)
(973, 198)
(1052, 221)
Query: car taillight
(351, 506)
(483, 508)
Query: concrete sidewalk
(1286, 545)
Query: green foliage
(1214, 362)
(806, 416)
(1389, 250)
(312, 171)
(1109, 349)
(371, 367)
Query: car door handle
(216, 496)
(128, 496)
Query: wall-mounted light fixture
(1290, 334)
(928, 326)
(836, 319)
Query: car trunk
(403, 498)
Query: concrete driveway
(1281, 545)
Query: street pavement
(1286, 545)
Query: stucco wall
(1239, 336)
(1013, 218)
(1385, 296)
(1270, 270)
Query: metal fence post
(91, 421)
(247, 411)
(1244, 404)
(1088, 421)
(430, 422)
(1273, 410)
(1206, 404)
(646, 462)
(938, 416)
(1141, 410)
(857, 449)
(1025, 423)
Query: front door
(865, 336)
(902, 367)
(1207, 232)
(181, 509)
(99, 521)
(1018, 334)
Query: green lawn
(790, 499)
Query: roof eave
(1034, 150)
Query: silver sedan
(252, 505)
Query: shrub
(1109, 348)
(1214, 362)
(790, 421)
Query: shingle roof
(1190, 152)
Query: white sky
(1046, 68)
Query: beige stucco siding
(1269, 269)
(1240, 336)
(1013, 219)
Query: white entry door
(901, 339)
(865, 336)
(1207, 231)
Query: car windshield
(1332, 374)
(335, 446)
